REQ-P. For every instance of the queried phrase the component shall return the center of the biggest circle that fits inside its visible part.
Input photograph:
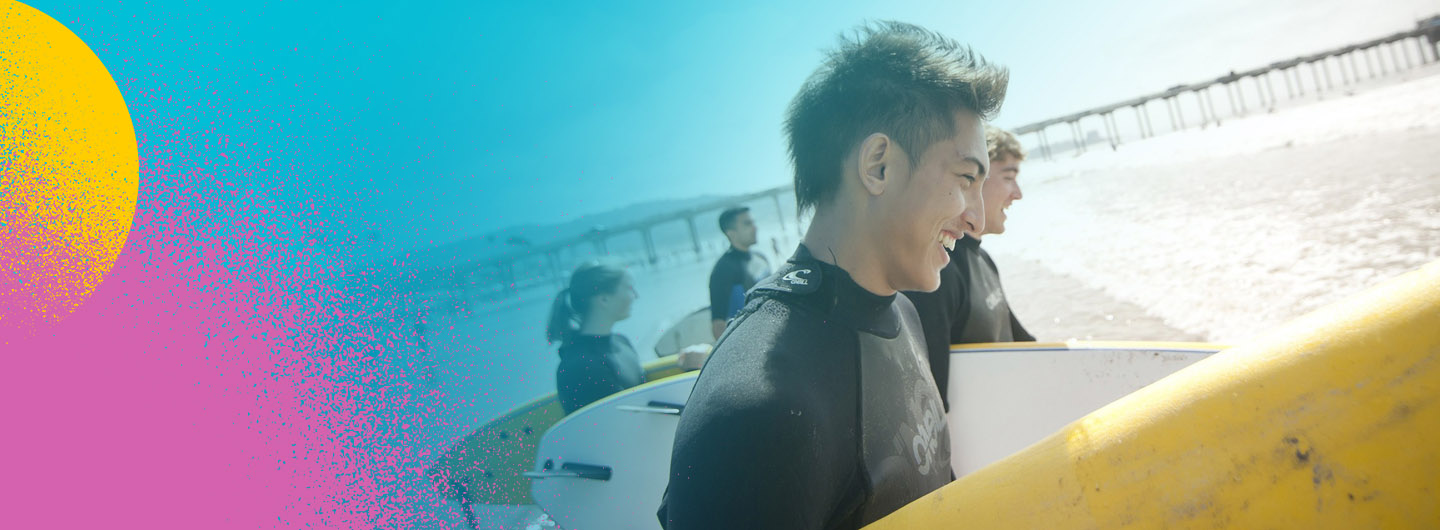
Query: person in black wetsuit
(970, 305)
(737, 270)
(816, 410)
(594, 361)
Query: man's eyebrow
(978, 163)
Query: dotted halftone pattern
(68, 170)
(225, 372)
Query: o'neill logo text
(794, 277)
(925, 444)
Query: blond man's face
(999, 191)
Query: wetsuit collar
(580, 338)
(581, 344)
(966, 243)
(832, 291)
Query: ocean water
(1228, 232)
(1218, 234)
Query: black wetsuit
(969, 307)
(592, 367)
(734, 274)
(815, 411)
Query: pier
(501, 275)
(548, 263)
(1249, 91)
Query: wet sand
(1226, 248)
(1056, 308)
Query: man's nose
(974, 216)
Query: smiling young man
(816, 409)
(970, 305)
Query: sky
(589, 109)
(405, 128)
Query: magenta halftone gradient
(209, 383)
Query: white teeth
(947, 241)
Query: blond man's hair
(1002, 144)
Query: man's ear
(875, 154)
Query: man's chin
(999, 226)
(928, 285)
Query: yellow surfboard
(1332, 421)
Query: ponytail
(572, 305)
(563, 321)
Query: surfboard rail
(1150, 345)
(606, 465)
(1331, 421)
(488, 465)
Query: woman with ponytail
(594, 361)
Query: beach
(1229, 232)
(1218, 234)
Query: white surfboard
(1005, 397)
(692, 329)
(606, 465)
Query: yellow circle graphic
(69, 169)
